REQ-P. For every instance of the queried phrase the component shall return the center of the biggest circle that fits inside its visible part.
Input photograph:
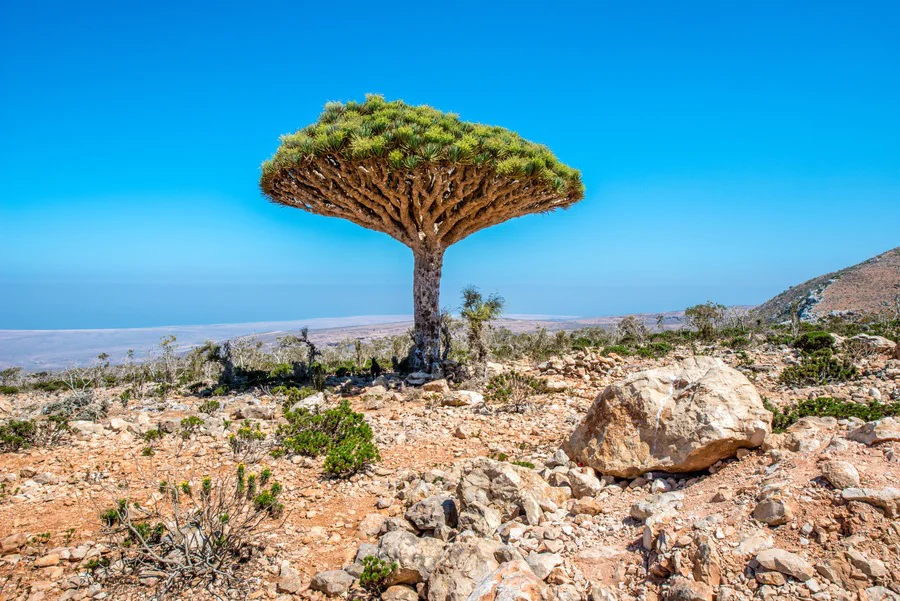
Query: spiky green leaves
(408, 136)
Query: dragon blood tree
(425, 178)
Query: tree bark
(427, 310)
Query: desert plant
(829, 407)
(705, 318)
(511, 391)
(209, 407)
(192, 531)
(811, 342)
(341, 434)
(190, 426)
(248, 443)
(821, 367)
(426, 178)
(477, 312)
(16, 435)
(375, 574)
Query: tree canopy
(415, 172)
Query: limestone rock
(415, 557)
(512, 581)
(884, 430)
(461, 568)
(462, 398)
(785, 562)
(683, 589)
(878, 344)
(289, 580)
(887, 499)
(433, 512)
(841, 474)
(510, 489)
(773, 511)
(680, 418)
(332, 582)
(584, 483)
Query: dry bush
(187, 532)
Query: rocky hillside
(867, 288)
(621, 479)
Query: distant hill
(867, 288)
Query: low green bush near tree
(341, 434)
(18, 435)
(829, 407)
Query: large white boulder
(680, 418)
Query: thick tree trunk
(427, 310)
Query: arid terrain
(673, 536)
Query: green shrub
(16, 435)
(8, 389)
(209, 407)
(738, 342)
(830, 407)
(190, 425)
(812, 342)
(821, 367)
(655, 350)
(247, 443)
(618, 349)
(375, 574)
(220, 390)
(512, 390)
(281, 371)
(527, 464)
(341, 434)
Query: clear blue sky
(729, 150)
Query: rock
(313, 401)
(836, 570)
(433, 512)
(511, 489)
(588, 506)
(464, 431)
(771, 578)
(462, 398)
(51, 559)
(785, 562)
(398, 592)
(169, 425)
(707, 564)
(680, 418)
(805, 435)
(840, 474)
(773, 511)
(418, 378)
(436, 386)
(884, 430)
(415, 557)
(512, 581)
(86, 427)
(682, 589)
(871, 567)
(13, 543)
(461, 568)
(543, 563)
(584, 483)
(656, 505)
(881, 593)
(332, 582)
(482, 519)
(371, 525)
(887, 499)
(260, 412)
(289, 580)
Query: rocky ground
(455, 502)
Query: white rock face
(680, 418)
